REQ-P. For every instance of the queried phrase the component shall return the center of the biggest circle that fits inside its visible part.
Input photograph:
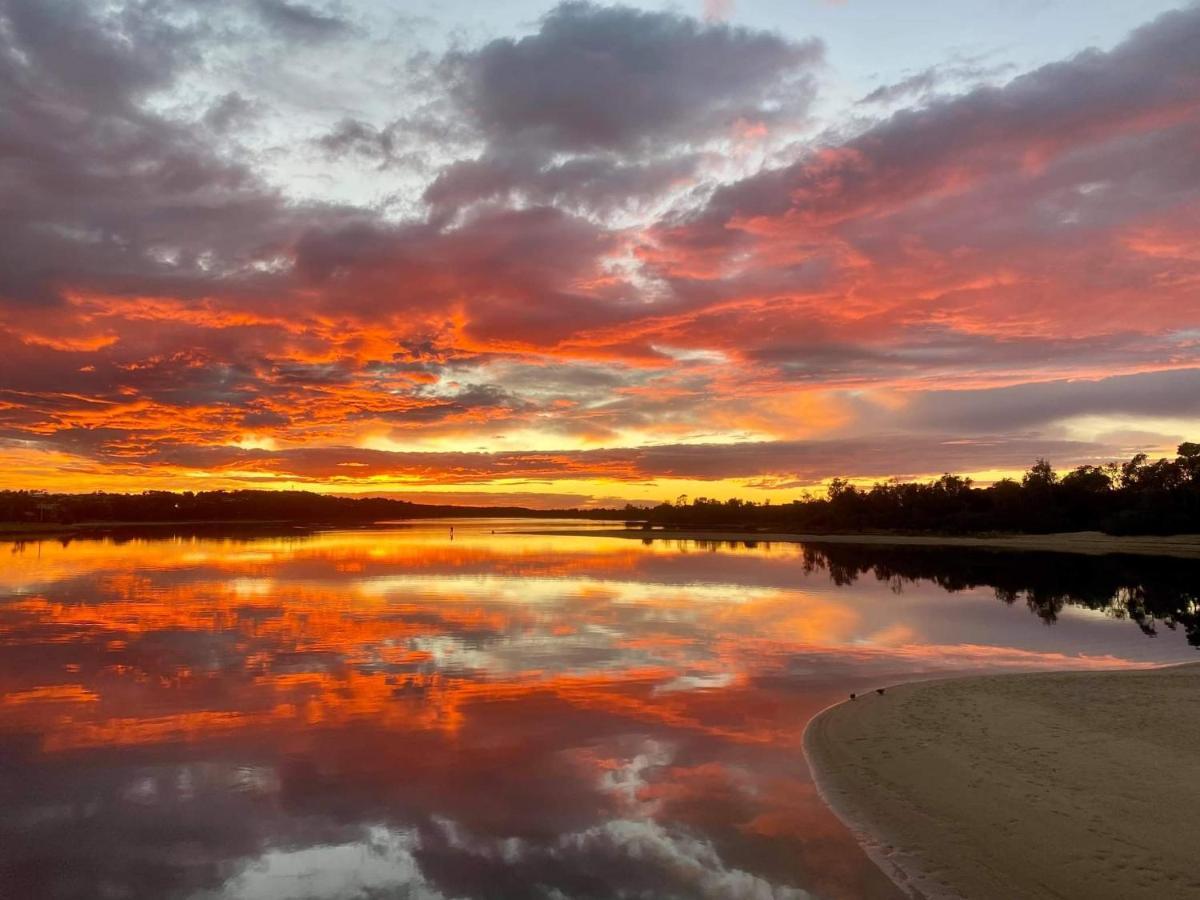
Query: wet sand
(1091, 542)
(1021, 786)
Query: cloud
(111, 197)
(596, 184)
(1008, 218)
(1170, 393)
(230, 110)
(610, 232)
(614, 78)
(785, 465)
(76, 57)
(300, 21)
(923, 83)
(1142, 85)
(693, 863)
(613, 89)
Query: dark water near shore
(401, 714)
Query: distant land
(40, 512)
(1136, 497)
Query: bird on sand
(879, 690)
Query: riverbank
(1079, 784)
(1185, 546)
(29, 531)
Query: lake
(406, 712)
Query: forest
(41, 508)
(1139, 496)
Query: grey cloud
(1171, 393)
(922, 83)
(932, 353)
(557, 380)
(431, 408)
(101, 192)
(876, 456)
(301, 22)
(797, 463)
(989, 130)
(264, 418)
(356, 136)
(602, 103)
(76, 57)
(667, 857)
(615, 78)
(521, 269)
(229, 111)
(419, 143)
(599, 183)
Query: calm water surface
(398, 713)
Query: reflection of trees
(1148, 591)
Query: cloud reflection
(358, 713)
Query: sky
(586, 254)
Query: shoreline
(1094, 543)
(1023, 785)
(15, 531)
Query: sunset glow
(580, 255)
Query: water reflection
(1162, 591)
(390, 713)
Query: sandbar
(1074, 784)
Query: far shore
(1186, 546)
(20, 531)
(1090, 542)
(1065, 784)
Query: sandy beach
(1055, 785)
(1186, 546)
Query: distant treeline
(1134, 497)
(34, 507)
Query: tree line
(1139, 496)
(40, 507)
